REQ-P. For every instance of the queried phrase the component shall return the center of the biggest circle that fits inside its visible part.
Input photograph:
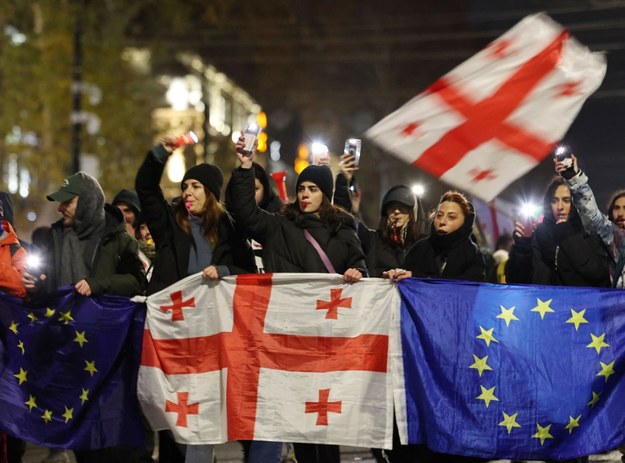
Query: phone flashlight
(33, 262)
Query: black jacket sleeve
(519, 265)
(257, 223)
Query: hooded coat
(452, 256)
(12, 255)
(109, 254)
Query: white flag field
(283, 357)
(497, 115)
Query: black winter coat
(172, 244)
(454, 256)
(285, 248)
(559, 254)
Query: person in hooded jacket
(196, 234)
(558, 251)
(291, 240)
(12, 254)
(88, 247)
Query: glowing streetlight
(418, 189)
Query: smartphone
(352, 146)
(251, 133)
(527, 216)
(528, 226)
(563, 154)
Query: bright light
(176, 167)
(528, 210)
(318, 148)
(31, 216)
(274, 149)
(418, 189)
(33, 261)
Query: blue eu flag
(68, 370)
(520, 372)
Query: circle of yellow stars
(80, 338)
(480, 364)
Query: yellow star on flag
(80, 338)
(507, 314)
(607, 370)
(542, 308)
(594, 400)
(487, 395)
(509, 421)
(84, 396)
(598, 342)
(69, 414)
(480, 364)
(487, 336)
(47, 416)
(66, 317)
(90, 367)
(21, 347)
(573, 423)
(33, 318)
(31, 402)
(22, 376)
(577, 318)
(13, 327)
(49, 312)
(543, 433)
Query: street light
(418, 189)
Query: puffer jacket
(12, 262)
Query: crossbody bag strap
(324, 257)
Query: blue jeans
(199, 453)
(256, 451)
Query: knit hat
(129, 198)
(208, 175)
(399, 194)
(320, 176)
(73, 185)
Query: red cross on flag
(497, 115)
(282, 357)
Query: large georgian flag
(282, 357)
(497, 115)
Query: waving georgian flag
(497, 115)
(289, 357)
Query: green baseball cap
(71, 186)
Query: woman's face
(309, 197)
(561, 204)
(193, 196)
(259, 191)
(397, 214)
(449, 218)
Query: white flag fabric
(497, 115)
(276, 357)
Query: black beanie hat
(400, 194)
(128, 197)
(208, 175)
(320, 176)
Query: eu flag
(68, 370)
(521, 372)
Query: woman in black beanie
(309, 235)
(195, 235)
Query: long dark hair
(329, 214)
(211, 215)
(549, 194)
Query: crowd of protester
(142, 243)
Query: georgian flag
(277, 357)
(497, 115)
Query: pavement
(232, 453)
